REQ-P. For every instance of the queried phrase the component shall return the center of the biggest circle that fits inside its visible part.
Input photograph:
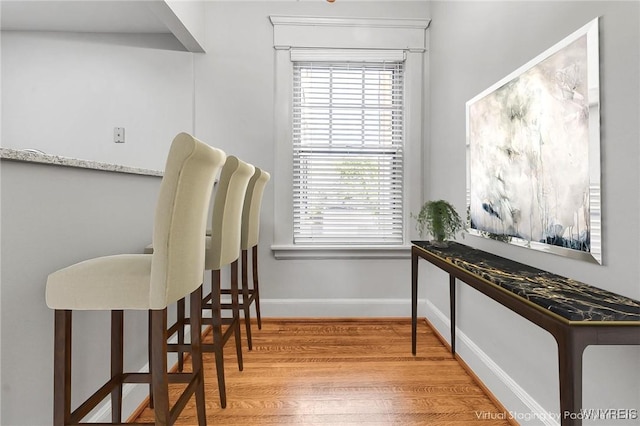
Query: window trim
(333, 38)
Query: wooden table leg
(414, 299)
(452, 311)
(571, 345)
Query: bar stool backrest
(224, 247)
(180, 219)
(251, 209)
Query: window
(348, 134)
(348, 153)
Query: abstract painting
(533, 152)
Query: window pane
(348, 153)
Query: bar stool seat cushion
(104, 283)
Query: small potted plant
(439, 219)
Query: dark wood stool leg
(149, 346)
(216, 319)
(117, 343)
(236, 312)
(181, 323)
(159, 377)
(246, 301)
(195, 306)
(256, 290)
(62, 368)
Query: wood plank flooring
(343, 372)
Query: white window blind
(348, 153)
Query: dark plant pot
(439, 244)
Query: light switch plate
(118, 134)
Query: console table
(576, 314)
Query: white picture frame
(533, 152)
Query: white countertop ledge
(57, 160)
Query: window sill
(289, 251)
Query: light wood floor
(343, 372)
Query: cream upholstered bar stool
(222, 249)
(144, 282)
(249, 241)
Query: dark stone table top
(572, 300)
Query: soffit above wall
(80, 16)
(135, 16)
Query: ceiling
(106, 16)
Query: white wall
(235, 111)
(475, 44)
(0, 216)
(53, 217)
(63, 93)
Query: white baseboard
(337, 308)
(133, 394)
(533, 411)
